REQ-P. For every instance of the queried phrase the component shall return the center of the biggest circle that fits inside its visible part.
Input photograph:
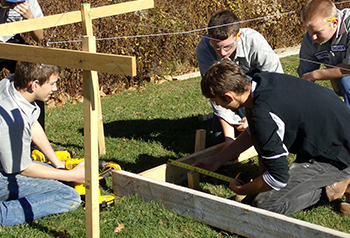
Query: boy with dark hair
(30, 190)
(18, 10)
(285, 115)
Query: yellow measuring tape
(200, 170)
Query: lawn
(144, 127)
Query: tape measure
(200, 170)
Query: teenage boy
(30, 190)
(326, 42)
(246, 47)
(285, 115)
(18, 10)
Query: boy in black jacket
(285, 115)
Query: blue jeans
(304, 189)
(24, 199)
(344, 89)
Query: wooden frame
(159, 185)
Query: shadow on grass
(44, 229)
(175, 135)
(144, 162)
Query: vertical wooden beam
(193, 180)
(87, 25)
(101, 134)
(193, 177)
(90, 133)
(200, 140)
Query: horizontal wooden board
(218, 212)
(109, 63)
(173, 174)
(72, 17)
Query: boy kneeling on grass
(30, 190)
(285, 115)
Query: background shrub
(172, 54)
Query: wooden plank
(157, 173)
(91, 101)
(178, 175)
(193, 177)
(200, 140)
(91, 157)
(40, 23)
(249, 153)
(218, 212)
(72, 17)
(114, 64)
(193, 180)
(121, 8)
(90, 46)
(100, 128)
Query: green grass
(143, 129)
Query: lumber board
(108, 63)
(166, 173)
(121, 8)
(200, 140)
(91, 112)
(193, 180)
(73, 17)
(218, 212)
(173, 174)
(89, 45)
(91, 155)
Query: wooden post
(87, 26)
(91, 100)
(193, 180)
(193, 177)
(200, 140)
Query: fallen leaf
(119, 228)
(163, 223)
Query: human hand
(210, 163)
(59, 164)
(242, 126)
(311, 76)
(234, 186)
(24, 9)
(79, 172)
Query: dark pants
(304, 189)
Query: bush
(171, 54)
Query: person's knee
(263, 201)
(71, 197)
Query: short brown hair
(228, 22)
(224, 76)
(318, 8)
(26, 72)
